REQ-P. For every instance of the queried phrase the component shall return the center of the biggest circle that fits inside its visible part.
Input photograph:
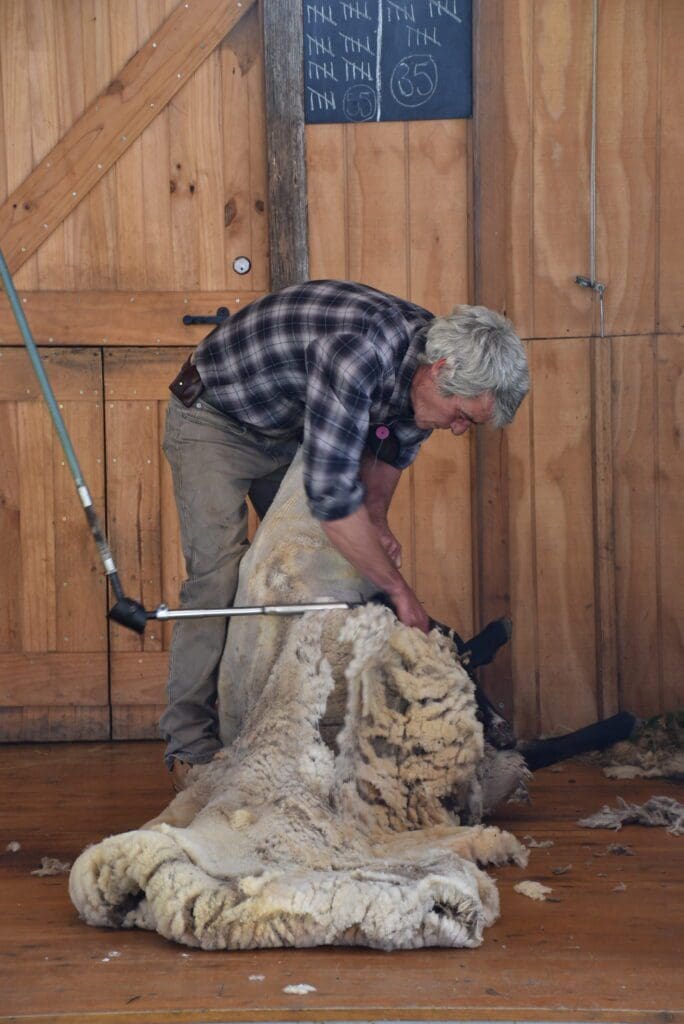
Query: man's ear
(436, 368)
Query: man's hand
(410, 611)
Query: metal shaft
(60, 427)
(163, 612)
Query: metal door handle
(221, 314)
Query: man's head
(473, 370)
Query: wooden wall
(577, 505)
(153, 239)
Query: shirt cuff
(328, 507)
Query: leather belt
(187, 385)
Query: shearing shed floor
(606, 945)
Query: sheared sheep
(286, 840)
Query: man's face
(434, 411)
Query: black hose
(541, 753)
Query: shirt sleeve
(343, 376)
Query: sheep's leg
(541, 753)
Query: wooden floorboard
(597, 955)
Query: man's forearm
(380, 480)
(357, 539)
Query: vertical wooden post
(285, 144)
(490, 498)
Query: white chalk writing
(356, 71)
(355, 9)
(446, 7)
(320, 70)
(398, 11)
(320, 100)
(354, 45)
(320, 14)
(319, 47)
(421, 36)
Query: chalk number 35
(414, 80)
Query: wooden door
(133, 177)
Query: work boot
(179, 774)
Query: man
(360, 378)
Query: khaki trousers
(216, 462)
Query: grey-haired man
(360, 378)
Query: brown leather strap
(187, 386)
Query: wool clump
(346, 805)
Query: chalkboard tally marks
(387, 60)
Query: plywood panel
(44, 122)
(522, 551)
(70, 82)
(377, 207)
(182, 183)
(438, 260)
(57, 679)
(37, 540)
(139, 679)
(562, 109)
(636, 538)
(116, 318)
(98, 268)
(114, 121)
(518, 145)
(564, 534)
(443, 531)
(208, 192)
(670, 404)
(141, 374)
(73, 374)
(437, 153)
(3, 136)
(80, 621)
(142, 515)
(18, 146)
(671, 155)
(10, 528)
(327, 196)
(53, 724)
(133, 454)
(53, 635)
(626, 162)
(136, 722)
(155, 145)
(239, 53)
(128, 170)
(250, 46)
(601, 357)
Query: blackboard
(387, 60)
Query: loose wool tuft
(284, 840)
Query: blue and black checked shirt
(327, 360)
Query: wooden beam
(285, 145)
(491, 561)
(112, 123)
(113, 318)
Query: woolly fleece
(283, 841)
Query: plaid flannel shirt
(324, 360)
